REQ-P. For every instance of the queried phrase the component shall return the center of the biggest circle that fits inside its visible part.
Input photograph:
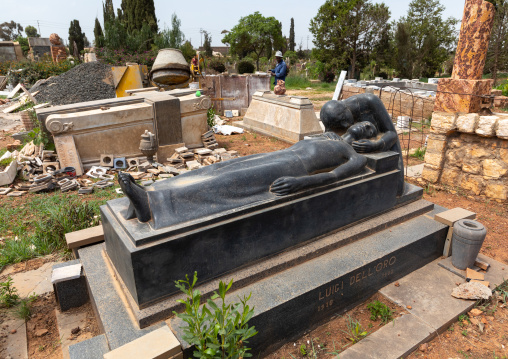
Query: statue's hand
(286, 185)
(364, 146)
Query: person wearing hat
(280, 71)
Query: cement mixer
(170, 70)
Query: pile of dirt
(86, 82)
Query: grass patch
(37, 227)
(299, 82)
(419, 153)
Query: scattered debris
(472, 290)
(227, 129)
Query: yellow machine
(196, 70)
(129, 77)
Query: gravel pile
(82, 83)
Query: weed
(244, 138)
(273, 139)
(502, 290)
(464, 317)
(370, 325)
(419, 153)
(210, 116)
(429, 189)
(24, 309)
(328, 333)
(42, 347)
(381, 311)
(354, 328)
(255, 136)
(8, 296)
(5, 162)
(464, 333)
(451, 328)
(220, 332)
(335, 351)
(303, 349)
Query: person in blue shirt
(280, 71)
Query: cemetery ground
(29, 218)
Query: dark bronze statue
(338, 116)
(317, 161)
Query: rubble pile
(86, 82)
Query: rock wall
(470, 152)
(397, 103)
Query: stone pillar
(459, 94)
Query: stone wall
(397, 103)
(470, 152)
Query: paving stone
(35, 281)
(453, 215)
(394, 340)
(415, 171)
(428, 291)
(66, 323)
(84, 237)
(15, 345)
(93, 348)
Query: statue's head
(336, 116)
(362, 130)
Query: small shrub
(303, 350)
(419, 153)
(24, 311)
(210, 116)
(221, 332)
(245, 67)
(328, 76)
(217, 65)
(8, 295)
(381, 311)
(355, 330)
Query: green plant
(8, 296)
(303, 349)
(210, 116)
(24, 309)
(245, 67)
(381, 311)
(354, 328)
(335, 351)
(217, 65)
(5, 162)
(464, 333)
(221, 332)
(419, 153)
(244, 138)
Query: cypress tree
(292, 35)
(138, 12)
(76, 36)
(108, 12)
(99, 35)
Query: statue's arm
(354, 164)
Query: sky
(55, 15)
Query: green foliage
(419, 153)
(256, 34)
(345, 32)
(293, 57)
(31, 71)
(354, 328)
(76, 38)
(5, 162)
(207, 45)
(297, 82)
(120, 57)
(245, 67)
(24, 310)
(9, 31)
(108, 11)
(217, 65)
(23, 43)
(98, 34)
(31, 31)
(44, 233)
(171, 38)
(423, 39)
(503, 87)
(210, 116)
(292, 35)
(188, 51)
(8, 296)
(381, 311)
(217, 331)
(136, 13)
(303, 349)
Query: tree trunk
(353, 64)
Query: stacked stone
(469, 151)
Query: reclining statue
(317, 161)
(338, 116)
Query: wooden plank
(16, 105)
(14, 91)
(340, 83)
(29, 95)
(67, 153)
(448, 243)
(84, 237)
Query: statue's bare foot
(137, 196)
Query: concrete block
(50, 166)
(106, 160)
(119, 163)
(159, 344)
(451, 216)
(69, 285)
(8, 175)
(4, 191)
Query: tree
(188, 51)
(138, 12)
(255, 34)
(108, 12)
(76, 38)
(86, 43)
(9, 31)
(23, 43)
(208, 44)
(292, 36)
(497, 55)
(176, 36)
(345, 31)
(428, 38)
(98, 34)
(31, 31)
